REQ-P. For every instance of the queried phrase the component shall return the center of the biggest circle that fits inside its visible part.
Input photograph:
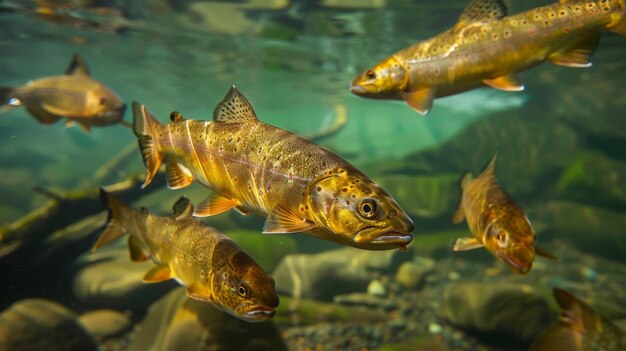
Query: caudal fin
(144, 125)
(5, 96)
(113, 229)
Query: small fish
(579, 328)
(75, 96)
(487, 47)
(212, 267)
(496, 222)
(255, 167)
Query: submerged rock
(102, 324)
(42, 325)
(412, 274)
(176, 322)
(507, 311)
(324, 275)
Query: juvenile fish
(75, 96)
(255, 167)
(496, 222)
(488, 47)
(212, 267)
(579, 328)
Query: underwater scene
(313, 175)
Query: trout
(579, 328)
(255, 167)
(75, 96)
(487, 47)
(496, 222)
(212, 267)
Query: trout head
(511, 239)
(388, 79)
(345, 202)
(105, 105)
(245, 290)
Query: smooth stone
(366, 300)
(376, 288)
(42, 325)
(103, 324)
(324, 275)
(509, 311)
(412, 274)
(110, 279)
(176, 322)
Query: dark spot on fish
(307, 207)
(344, 190)
(348, 203)
(319, 188)
(353, 196)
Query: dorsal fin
(490, 169)
(481, 10)
(234, 108)
(183, 208)
(77, 66)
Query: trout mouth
(378, 235)
(518, 266)
(256, 313)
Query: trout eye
(367, 208)
(370, 74)
(242, 290)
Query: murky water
(560, 146)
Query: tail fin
(144, 125)
(619, 24)
(5, 96)
(114, 229)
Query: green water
(560, 146)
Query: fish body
(75, 96)
(496, 222)
(579, 328)
(487, 47)
(212, 266)
(255, 167)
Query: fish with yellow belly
(255, 167)
(212, 267)
(488, 47)
(75, 96)
(496, 222)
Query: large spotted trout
(488, 47)
(212, 267)
(255, 167)
(496, 222)
(75, 96)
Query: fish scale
(256, 167)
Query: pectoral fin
(158, 274)
(178, 176)
(197, 292)
(214, 205)
(464, 244)
(420, 100)
(541, 252)
(579, 54)
(281, 220)
(509, 82)
(458, 216)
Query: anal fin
(281, 220)
(136, 252)
(158, 274)
(42, 115)
(178, 176)
(420, 100)
(214, 205)
(509, 82)
(579, 53)
(464, 244)
(242, 210)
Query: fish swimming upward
(212, 267)
(75, 96)
(255, 167)
(579, 328)
(488, 47)
(496, 222)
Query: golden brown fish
(579, 328)
(212, 267)
(252, 166)
(488, 47)
(496, 222)
(75, 96)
